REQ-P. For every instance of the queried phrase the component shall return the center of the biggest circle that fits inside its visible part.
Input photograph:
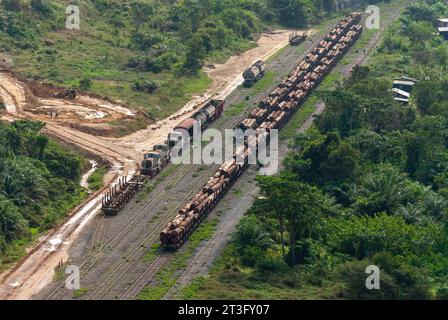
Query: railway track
(96, 255)
(217, 240)
(146, 277)
(99, 235)
(137, 253)
(220, 235)
(209, 251)
(143, 211)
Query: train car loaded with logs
(272, 113)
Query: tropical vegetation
(39, 184)
(144, 53)
(368, 185)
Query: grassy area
(235, 109)
(174, 91)
(143, 194)
(277, 54)
(80, 292)
(95, 181)
(227, 280)
(167, 277)
(262, 84)
(103, 52)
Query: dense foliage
(122, 44)
(166, 34)
(39, 181)
(367, 186)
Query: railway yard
(120, 256)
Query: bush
(41, 6)
(270, 265)
(145, 85)
(85, 84)
(165, 61)
(354, 277)
(13, 5)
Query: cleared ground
(119, 261)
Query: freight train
(153, 162)
(272, 113)
(211, 111)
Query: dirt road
(37, 269)
(108, 270)
(225, 79)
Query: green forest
(39, 184)
(368, 185)
(145, 53)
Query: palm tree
(435, 206)
(329, 205)
(12, 224)
(385, 189)
(411, 213)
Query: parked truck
(297, 38)
(254, 73)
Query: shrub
(85, 84)
(145, 85)
(13, 5)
